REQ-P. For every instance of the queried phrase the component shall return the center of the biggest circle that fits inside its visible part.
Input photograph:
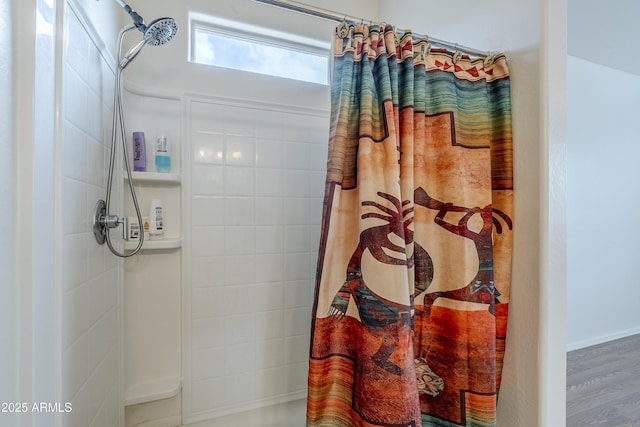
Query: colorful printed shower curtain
(413, 276)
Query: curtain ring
(457, 55)
(426, 47)
(396, 37)
(342, 30)
(488, 61)
(365, 30)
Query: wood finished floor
(603, 384)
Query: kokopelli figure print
(482, 288)
(376, 312)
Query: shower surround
(255, 197)
(248, 213)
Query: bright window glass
(249, 53)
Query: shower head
(157, 33)
(160, 31)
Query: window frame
(200, 23)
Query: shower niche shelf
(156, 178)
(155, 185)
(150, 245)
(156, 390)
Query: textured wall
(603, 107)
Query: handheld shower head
(160, 31)
(132, 53)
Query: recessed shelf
(150, 245)
(155, 390)
(155, 178)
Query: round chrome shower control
(99, 231)
(111, 221)
(102, 222)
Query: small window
(247, 48)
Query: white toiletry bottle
(156, 220)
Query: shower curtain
(412, 285)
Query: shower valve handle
(111, 221)
(102, 222)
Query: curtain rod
(338, 17)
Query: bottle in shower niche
(156, 220)
(163, 156)
(139, 152)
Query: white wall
(603, 149)
(8, 217)
(104, 19)
(617, 32)
(45, 336)
(22, 81)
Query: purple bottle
(139, 152)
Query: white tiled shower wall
(90, 274)
(256, 187)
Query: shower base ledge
(287, 414)
(164, 388)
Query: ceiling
(604, 32)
